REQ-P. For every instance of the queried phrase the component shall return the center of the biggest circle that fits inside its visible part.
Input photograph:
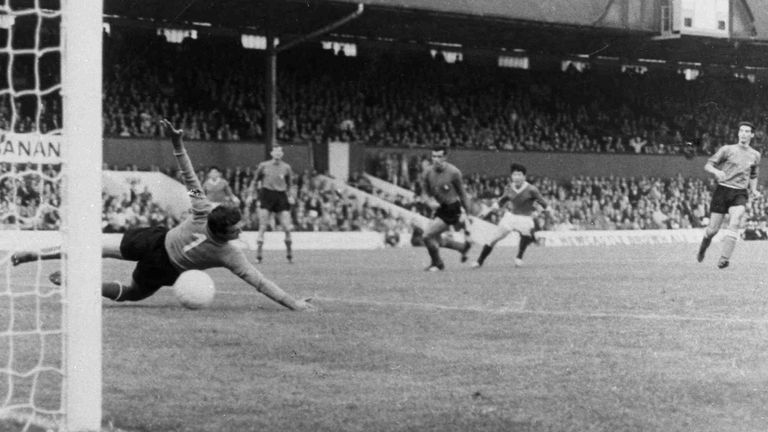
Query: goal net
(50, 196)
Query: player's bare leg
(715, 220)
(115, 290)
(263, 221)
(731, 235)
(432, 243)
(285, 222)
(49, 253)
(110, 248)
(461, 247)
(488, 247)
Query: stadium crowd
(581, 203)
(404, 100)
(410, 100)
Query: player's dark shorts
(274, 201)
(153, 269)
(724, 197)
(449, 213)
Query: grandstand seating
(410, 101)
(214, 90)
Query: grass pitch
(621, 338)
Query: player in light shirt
(204, 240)
(520, 201)
(735, 166)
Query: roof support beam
(323, 30)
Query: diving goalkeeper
(200, 242)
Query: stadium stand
(405, 100)
(389, 101)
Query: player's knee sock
(525, 241)
(707, 239)
(259, 247)
(112, 290)
(487, 249)
(729, 243)
(434, 250)
(289, 247)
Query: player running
(520, 201)
(735, 166)
(200, 242)
(443, 182)
(273, 178)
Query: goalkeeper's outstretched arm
(274, 292)
(239, 265)
(185, 164)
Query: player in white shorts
(519, 201)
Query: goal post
(50, 197)
(81, 92)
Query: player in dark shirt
(274, 179)
(443, 182)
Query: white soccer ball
(194, 289)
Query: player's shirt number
(199, 238)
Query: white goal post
(81, 104)
(50, 179)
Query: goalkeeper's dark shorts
(724, 198)
(153, 269)
(449, 213)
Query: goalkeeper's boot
(722, 263)
(705, 242)
(55, 278)
(464, 250)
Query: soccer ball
(194, 289)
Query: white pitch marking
(519, 309)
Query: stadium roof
(559, 27)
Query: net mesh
(31, 308)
